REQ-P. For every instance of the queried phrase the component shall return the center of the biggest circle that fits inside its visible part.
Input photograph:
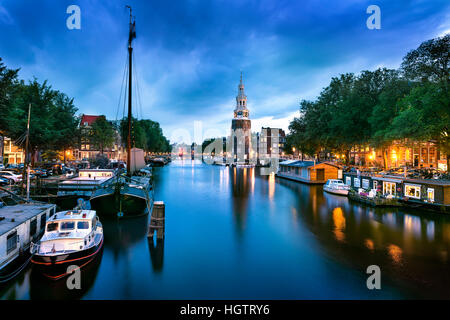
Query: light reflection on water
(233, 234)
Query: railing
(35, 248)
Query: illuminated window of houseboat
(412, 191)
(430, 194)
(348, 181)
(388, 188)
(357, 182)
(365, 183)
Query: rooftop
(74, 214)
(88, 119)
(18, 214)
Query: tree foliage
(53, 124)
(103, 134)
(145, 134)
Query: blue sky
(189, 54)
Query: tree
(429, 62)
(427, 107)
(53, 122)
(145, 134)
(102, 134)
(386, 109)
(8, 78)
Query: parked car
(11, 175)
(4, 181)
(40, 172)
(2, 166)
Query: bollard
(157, 221)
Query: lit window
(412, 191)
(430, 194)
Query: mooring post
(157, 221)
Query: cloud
(188, 55)
(5, 17)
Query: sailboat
(132, 193)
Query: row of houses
(13, 154)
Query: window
(356, 182)
(412, 191)
(52, 212)
(348, 181)
(83, 225)
(389, 188)
(52, 226)
(43, 221)
(430, 194)
(11, 242)
(375, 184)
(33, 227)
(365, 184)
(67, 225)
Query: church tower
(241, 129)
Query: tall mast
(130, 51)
(27, 160)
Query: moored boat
(336, 186)
(73, 237)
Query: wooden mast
(130, 51)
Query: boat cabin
(308, 171)
(68, 231)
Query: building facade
(241, 142)
(87, 150)
(11, 153)
(415, 154)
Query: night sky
(189, 54)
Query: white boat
(336, 186)
(73, 237)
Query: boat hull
(112, 203)
(55, 267)
(341, 192)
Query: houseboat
(20, 224)
(73, 237)
(308, 171)
(336, 186)
(374, 190)
(427, 194)
(87, 181)
(396, 190)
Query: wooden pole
(157, 221)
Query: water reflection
(299, 243)
(240, 191)
(42, 288)
(156, 249)
(411, 247)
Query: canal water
(235, 234)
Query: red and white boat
(73, 237)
